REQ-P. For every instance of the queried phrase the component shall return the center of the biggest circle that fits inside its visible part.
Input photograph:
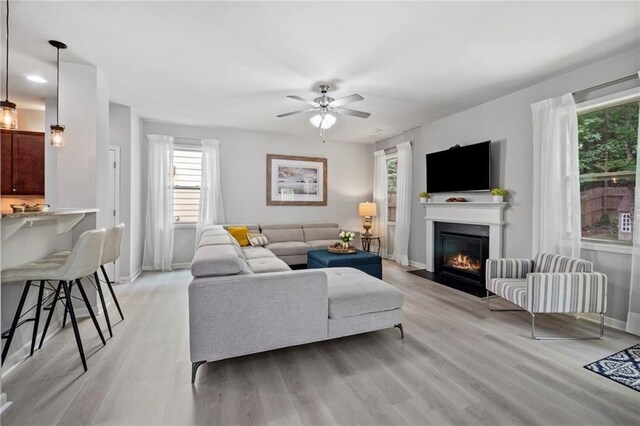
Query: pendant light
(57, 130)
(9, 117)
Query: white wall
(243, 167)
(31, 120)
(507, 122)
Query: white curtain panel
(556, 178)
(158, 240)
(633, 316)
(380, 197)
(403, 204)
(211, 209)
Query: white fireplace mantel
(474, 213)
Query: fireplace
(460, 254)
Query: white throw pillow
(257, 239)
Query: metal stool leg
(16, 318)
(93, 316)
(113, 294)
(104, 305)
(34, 337)
(74, 323)
(64, 315)
(56, 297)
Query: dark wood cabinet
(22, 163)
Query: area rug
(622, 367)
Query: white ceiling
(232, 64)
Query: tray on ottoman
(362, 260)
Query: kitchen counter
(57, 212)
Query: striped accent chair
(549, 283)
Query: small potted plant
(346, 237)
(424, 197)
(499, 194)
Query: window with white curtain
(392, 179)
(607, 149)
(187, 168)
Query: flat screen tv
(460, 169)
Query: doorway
(113, 204)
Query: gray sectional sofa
(244, 300)
(291, 242)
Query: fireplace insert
(460, 254)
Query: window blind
(187, 169)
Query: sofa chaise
(244, 300)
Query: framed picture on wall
(296, 181)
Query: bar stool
(83, 261)
(110, 253)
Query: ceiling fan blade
(298, 98)
(346, 100)
(295, 112)
(355, 113)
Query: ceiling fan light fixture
(323, 121)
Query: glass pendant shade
(9, 118)
(57, 135)
(323, 121)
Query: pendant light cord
(57, 85)
(6, 81)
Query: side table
(366, 241)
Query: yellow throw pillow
(240, 234)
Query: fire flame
(464, 262)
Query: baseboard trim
(131, 278)
(185, 265)
(417, 264)
(608, 321)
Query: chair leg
(34, 337)
(16, 318)
(104, 304)
(74, 323)
(536, 337)
(88, 305)
(64, 315)
(113, 294)
(500, 310)
(194, 369)
(56, 297)
(399, 326)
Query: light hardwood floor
(459, 364)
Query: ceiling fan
(325, 106)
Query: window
(187, 164)
(608, 140)
(392, 180)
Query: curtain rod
(396, 147)
(603, 85)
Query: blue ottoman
(362, 260)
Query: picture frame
(296, 181)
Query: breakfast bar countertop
(57, 212)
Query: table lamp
(367, 210)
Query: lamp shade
(367, 209)
(323, 121)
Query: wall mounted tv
(460, 168)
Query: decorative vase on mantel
(498, 198)
(423, 199)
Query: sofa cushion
(289, 248)
(313, 234)
(352, 292)
(267, 264)
(212, 240)
(549, 262)
(217, 260)
(240, 234)
(284, 235)
(257, 239)
(512, 289)
(322, 244)
(257, 252)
